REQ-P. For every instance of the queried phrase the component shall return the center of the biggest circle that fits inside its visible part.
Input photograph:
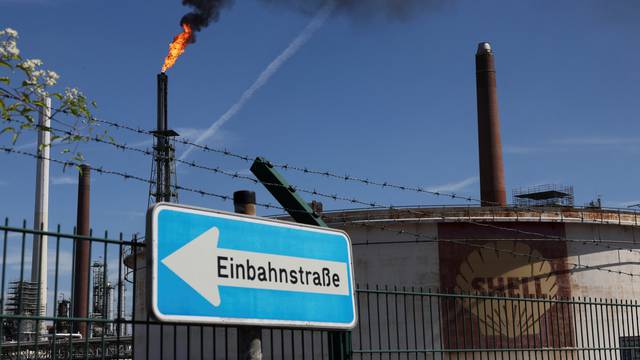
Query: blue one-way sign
(210, 266)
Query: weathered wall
(395, 259)
(597, 283)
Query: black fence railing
(417, 324)
(394, 323)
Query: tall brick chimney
(492, 189)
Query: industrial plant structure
(541, 246)
(102, 296)
(487, 280)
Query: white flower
(9, 48)
(51, 78)
(37, 74)
(10, 32)
(30, 64)
(72, 94)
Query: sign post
(214, 267)
(249, 337)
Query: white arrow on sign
(204, 267)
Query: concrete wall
(387, 258)
(598, 283)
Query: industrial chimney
(492, 190)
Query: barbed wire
(217, 170)
(285, 166)
(328, 174)
(335, 197)
(206, 148)
(302, 169)
(311, 171)
(417, 236)
(307, 170)
(127, 176)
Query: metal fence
(417, 324)
(394, 323)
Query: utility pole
(41, 213)
(249, 337)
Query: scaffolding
(544, 195)
(22, 299)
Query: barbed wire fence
(464, 242)
(319, 194)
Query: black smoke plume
(207, 11)
(204, 13)
(389, 9)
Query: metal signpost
(215, 267)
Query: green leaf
(5, 80)
(5, 64)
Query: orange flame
(177, 46)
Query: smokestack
(82, 252)
(162, 102)
(162, 117)
(41, 213)
(163, 172)
(492, 190)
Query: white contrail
(316, 23)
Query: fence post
(249, 337)
(82, 255)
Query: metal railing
(402, 323)
(394, 323)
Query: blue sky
(381, 98)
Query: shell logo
(498, 272)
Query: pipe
(41, 211)
(249, 337)
(492, 187)
(82, 252)
(163, 84)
